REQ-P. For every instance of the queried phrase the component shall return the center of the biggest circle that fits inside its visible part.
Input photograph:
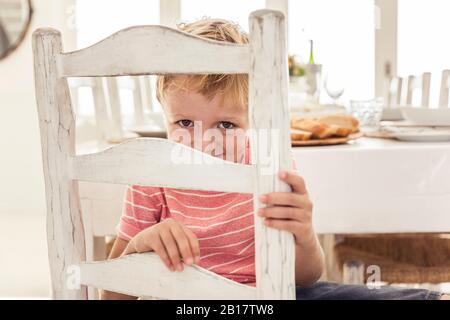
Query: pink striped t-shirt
(222, 222)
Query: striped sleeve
(141, 209)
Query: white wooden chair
(419, 84)
(146, 50)
(445, 88)
(393, 92)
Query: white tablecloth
(378, 186)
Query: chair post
(271, 149)
(101, 114)
(445, 86)
(426, 83)
(65, 234)
(115, 108)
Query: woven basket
(410, 258)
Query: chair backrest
(445, 88)
(419, 84)
(393, 91)
(145, 50)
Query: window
(423, 44)
(343, 33)
(98, 19)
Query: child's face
(213, 126)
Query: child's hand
(172, 241)
(290, 211)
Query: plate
(428, 136)
(327, 141)
(426, 116)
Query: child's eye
(185, 123)
(226, 125)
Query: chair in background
(445, 88)
(143, 119)
(419, 84)
(144, 50)
(100, 124)
(393, 92)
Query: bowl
(426, 116)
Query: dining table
(375, 185)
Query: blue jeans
(334, 291)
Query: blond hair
(233, 86)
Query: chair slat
(162, 163)
(419, 83)
(145, 275)
(155, 50)
(445, 88)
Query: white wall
(22, 197)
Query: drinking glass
(334, 87)
(368, 113)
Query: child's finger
(283, 199)
(294, 180)
(183, 244)
(172, 249)
(160, 250)
(195, 245)
(280, 224)
(292, 213)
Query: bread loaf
(344, 121)
(319, 130)
(300, 135)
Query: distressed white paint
(269, 112)
(144, 275)
(57, 125)
(160, 162)
(155, 50)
